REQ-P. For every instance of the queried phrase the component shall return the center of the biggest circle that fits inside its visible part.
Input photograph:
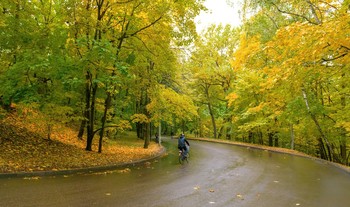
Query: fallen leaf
(31, 178)
(240, 196)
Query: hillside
(25, 148)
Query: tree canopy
(104, 66)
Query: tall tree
(211, 73)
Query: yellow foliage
(231, 98)
(166, 103)
(256, 109)
(139, 118)
(247, 49)
(345, 125)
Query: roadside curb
(87, 170)
(344, 168)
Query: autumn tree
(210, 72)
(108, 34)
(33, 60)
(298, 72)
(86, 55)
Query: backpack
(181, 142)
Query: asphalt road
(216, 175)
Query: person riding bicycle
(183, 144)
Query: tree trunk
(322, 150)
(313, 117)
(343, 157)
(251, 137)
(81, 129)
(139, 130)
(87, 109)
(221, 131)
(147, 135)
(291, 136)
(276, 140)
(147, 101)
(212, 120)
(261, 140)
(91, 119)
(104, 118)
(160, 133)
(87, 106)
(270, 134)
(228, 132)
(49, 129)
(343, 142)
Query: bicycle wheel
(181, 161)
(182, 158)
(185, 159)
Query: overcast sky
(219, 11)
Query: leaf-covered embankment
(25, 148)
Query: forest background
(104, 67)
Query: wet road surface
(216, 175)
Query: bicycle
(182, 157)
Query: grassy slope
(25, 148)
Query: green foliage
(286, 67)
(66, 59)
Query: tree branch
(293, 14)
(143, 28)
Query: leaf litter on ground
(25, 148)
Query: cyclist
(183, 144)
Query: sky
(219, 11)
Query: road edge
(344, 168)
(87, 170)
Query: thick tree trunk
(270, 135)
(139, 130)
(276, 140)
(91, 120)
(87, 110)
(81, 129)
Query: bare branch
(334, 58)
(143, 28)
(144, 44)
(293, 14)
